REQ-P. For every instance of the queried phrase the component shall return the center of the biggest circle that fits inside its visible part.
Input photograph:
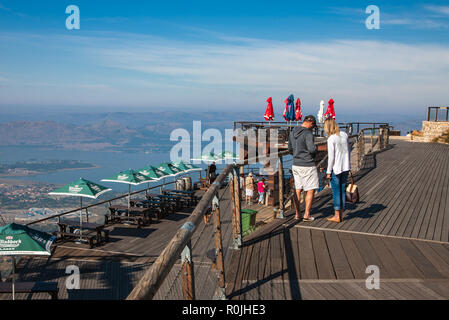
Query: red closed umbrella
(298, 112)
(269, 113)
(330, 113)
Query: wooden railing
(85, 208)
(436, 112)
(180, 244)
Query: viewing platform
(400, 225)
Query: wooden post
(436, 114)
(188, 281)
(428, 114)
(159, 270)
(281, 188)
(220, 294)
(236, 209)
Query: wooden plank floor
(401, 226)
(404, 192)
(306, 263)
(111, 271)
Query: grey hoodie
(301, 144)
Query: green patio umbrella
(225, 155)
(208, 157)
(129, 177)
(153, 173)
(20, 240)
(169, 169)
(81, 188)
(185, 167)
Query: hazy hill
(133, 131)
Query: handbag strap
(352, 177)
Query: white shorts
(306, 178)
(249, 192)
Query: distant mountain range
(130, 131)
(109, 131)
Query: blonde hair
(331, 127)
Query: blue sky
(223, 55)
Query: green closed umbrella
(129, 177)
(20, 240)
(81, 188)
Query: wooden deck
(401, 226)
(404, 192)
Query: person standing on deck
(261, 188)
(249, 191)
(302, 145)
(338, 167)
(242, 185)
(212, 172)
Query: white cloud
(242, 73)
(438, 9)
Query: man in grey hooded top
(301, 144)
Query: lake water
(110, 163)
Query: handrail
(154, 277)
(436, 113)
(97, 204)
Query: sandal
(309, 219)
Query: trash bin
(248, 221)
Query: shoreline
(36, 173)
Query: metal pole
(188, 282)
(436, 114)
(129, 199)
(13, 278)
(428, 113)
(221, 292)
(81, 219)
(281, 188)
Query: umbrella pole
(129, 199)
(13, 278)
(81, 219)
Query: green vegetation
(24, 168)
(443, 138)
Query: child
(261, 188)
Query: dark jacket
(301, 144)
